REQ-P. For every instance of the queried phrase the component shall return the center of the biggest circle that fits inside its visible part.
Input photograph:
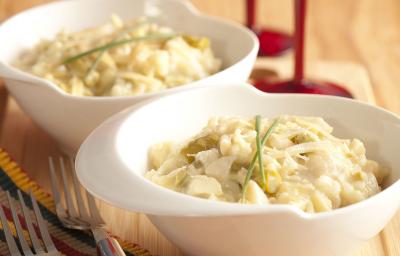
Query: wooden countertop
(361, 31)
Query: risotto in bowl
(121, 58)
(235, 171)
(284, 160)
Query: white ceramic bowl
(112, 160)
(69, 119)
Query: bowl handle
(8, 72)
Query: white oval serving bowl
(69, 119)
(112, 160)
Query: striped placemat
(68, 241)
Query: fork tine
(78, 194)
(12, 246)
(54, 186)
(42, 226)
(67, 194)
(94, 212)
(35, 240)
(24, 244)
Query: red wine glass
(272, 43)
(299, 84)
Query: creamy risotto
(302, 164)
(121, 58)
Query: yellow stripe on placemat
(26, 184)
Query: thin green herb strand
(101, 53)
(248, 176)
(259, 152)
(253, 161)
(115, 44)
(94, 65)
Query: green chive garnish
(115, 44)
(253, 161)
(260, 153)
(101, 53)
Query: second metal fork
(24, 245)
(81, 218)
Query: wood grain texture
(364, 32)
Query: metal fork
(51, 250)
(81, 218)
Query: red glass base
(310, 87)
(273, 43)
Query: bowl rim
(198, 206)
(11, 72)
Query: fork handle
(106, 245)
(109, 247)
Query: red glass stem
(250, 11)
(300, 14)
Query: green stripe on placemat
(68, 241)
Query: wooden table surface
(366, 32)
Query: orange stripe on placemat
(62, 237)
